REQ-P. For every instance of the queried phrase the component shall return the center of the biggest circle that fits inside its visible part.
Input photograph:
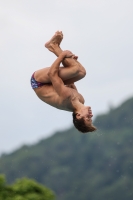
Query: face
(86, 113)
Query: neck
(77, 105)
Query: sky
(100, 32)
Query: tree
(24, 189)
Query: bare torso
(56, 92)
(59, 90)
(64, 102)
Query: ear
(78, 116)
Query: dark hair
(81, 126)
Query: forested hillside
(80, 166)
(117, 118)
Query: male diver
(55, 85)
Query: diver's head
(82, 120)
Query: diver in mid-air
(55, 85)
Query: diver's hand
(68, 54)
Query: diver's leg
(72, 70)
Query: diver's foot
(54, 41)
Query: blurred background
(38, 141)
(99, 32)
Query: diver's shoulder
(77, 96)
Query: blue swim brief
(34, 83)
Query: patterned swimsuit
(34, 83)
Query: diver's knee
(75, 70)
(79, 71)
(82, 72)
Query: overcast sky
(100, 32)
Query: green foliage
(24, 189)
(118, 118)
(81, 166)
